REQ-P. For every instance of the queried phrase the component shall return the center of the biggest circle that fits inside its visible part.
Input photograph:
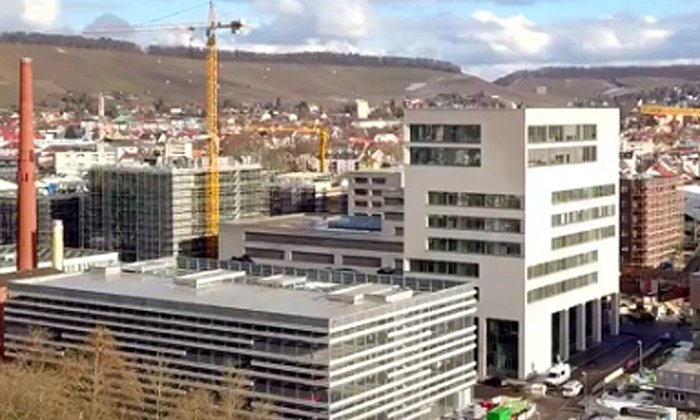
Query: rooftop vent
(208, 278)
(105, 271)
(282, 280)
(355, 295)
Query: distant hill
(88, 66)
(590, 82)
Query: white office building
(523, 202)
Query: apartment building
(378, 193)
(314, 350)
(523, 203)
(651, 219)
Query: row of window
(561, 264)
(364, 180)
(468, 246)
(561, 133)
(494, 201)
(561, 287)
(580, 216)
(561, 156)
(445, 267)
(579, 238)
(486, 224)
(434, 133)
(580, 194)
(444, 156)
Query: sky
(488, 38)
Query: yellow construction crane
(212, 109)
(661, 110)
(321, 132)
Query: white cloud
(511, 35)
(29, 14)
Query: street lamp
(639, 344)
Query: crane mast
(212, 109)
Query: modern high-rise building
(651, 219)
(153, 211)
(523, 203)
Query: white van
(558, 374)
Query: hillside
(590, 82)
(180, 80)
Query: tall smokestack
(26, 198)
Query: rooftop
(278, 294)
(8, 255)
(350, 227)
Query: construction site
(153, 211)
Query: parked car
(496, 381)
(558, 375)
(572, 389)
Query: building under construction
(153, 211)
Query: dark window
(441, 156)
(502, 347)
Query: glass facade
(561, 133)
(581, 216)
(580, 194)
(562, 264)
(502, 347)
(465, 199)
(561, 287)
(561, 156)
(485, 224)
(579, 238)
(444, 156)
(468, 246)
(434, 133)
(445, 267)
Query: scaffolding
(154, 211)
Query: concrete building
(314, 350)
(79, 162)
(309, 241)
(521, 202)
(378, 193)
(651, 219)
(307, 192)
(147, 212)
(8, 213)
(74, 259)
(690, 196)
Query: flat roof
(312, 225)
(311, 302)
(8, 254)
(681, 367)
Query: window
(376, 204)
(581, 216)
(398, 231)
(441, 156)
(561, 156)
(360, 180)
(360, 191)
(362, 261)
(580, 194)
(579, 238)
(502, 347)
(467, 246)
(561, 264)
(474, 223)
(377, 193)
(360, 203)
(312, 257)
(393, 201)
(496, 201)
(450, 268)
(561, 287)
(270, 254)
(561, 133)
(390, 215)
(422, 133)
(379, 181)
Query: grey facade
(315, 350)
(678, 385)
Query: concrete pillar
(597, 321)
(564, 352)
(481, 370)
(615, 314)
(581, 327)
